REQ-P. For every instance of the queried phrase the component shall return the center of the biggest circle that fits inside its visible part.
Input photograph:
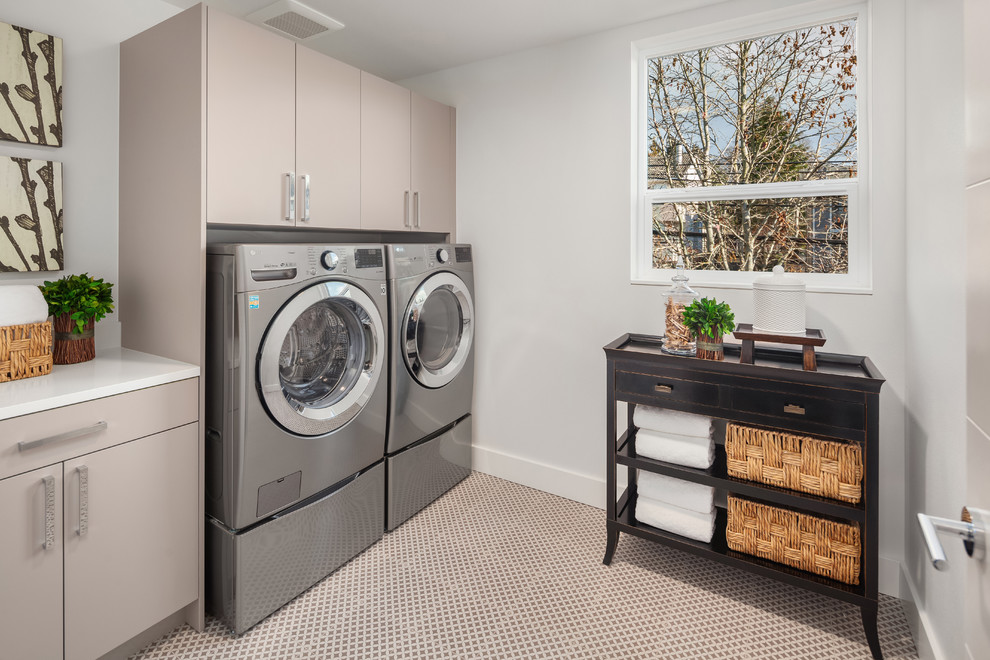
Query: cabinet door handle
(24, 445)
(49, 541)
(405, 211)
(83, 500)
(290, 196)
(305, 213)
(663, 389)
(416, 209)
(793, 409)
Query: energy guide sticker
(254, 302)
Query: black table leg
(613, 541)
(869, 612)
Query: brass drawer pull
(664, 389)
(794, 410)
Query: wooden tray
(811, 338)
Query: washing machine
(431, 374)
(296, 405)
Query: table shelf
(717, 477)
(841, 400)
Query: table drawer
(32, 441)
(663, 389)
(800, 408)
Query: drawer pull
(664, 389)
(49, 512)
(24, 445)
(793, 410)
(83, 500)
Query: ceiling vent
(294, 20)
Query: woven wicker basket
(821, 467)
(821, 546)
(25, 351)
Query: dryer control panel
(263, 266)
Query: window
(750, 153)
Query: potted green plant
(709, 320)
(76, 302)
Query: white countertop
(113, 371)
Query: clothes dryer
(431, 369)
(296, 406)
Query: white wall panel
(543, 192)
(90, 35)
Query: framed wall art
(31, 86)
(30, 215)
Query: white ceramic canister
(778, 302)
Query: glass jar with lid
(677, 338)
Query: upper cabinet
(432, 176)
(261, 131)
(283, 138)
(328, 140)
(407, 159)
(250, 122)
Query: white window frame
(859, 278)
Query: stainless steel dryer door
(438, 329)
(321, 358)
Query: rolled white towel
(694, 525)
(685, 494)
(690, 451)
(672, 421)
(21, 304)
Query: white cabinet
(30, 567)
(282, 128)
(432, 155)
(328, 140)
(251, 124)
(102, 544)
(407, 159)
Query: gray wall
(91, 33)
(543, 191)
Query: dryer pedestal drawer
(32, 441)
(253, 573)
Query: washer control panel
(329, 259)
(443, 256)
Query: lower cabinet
(30, 565)
(99, 547)
(130, 539)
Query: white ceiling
(398, 39)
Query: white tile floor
(498, 570)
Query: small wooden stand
(812, 337)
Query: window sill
(716, 284)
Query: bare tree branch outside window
(776, 109)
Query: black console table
(839, 401)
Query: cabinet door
(432, 165)
(328, 140)
(384, 154)
(30, 573)
(134, 559)
(250, 120)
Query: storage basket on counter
(25, 351)
(825, 547)
(809, 465)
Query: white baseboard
(578, 487)
(928, 648)
(590, 490)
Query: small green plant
(83, 297)
(710, 318)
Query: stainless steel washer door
(321, 358)
(438, 330)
